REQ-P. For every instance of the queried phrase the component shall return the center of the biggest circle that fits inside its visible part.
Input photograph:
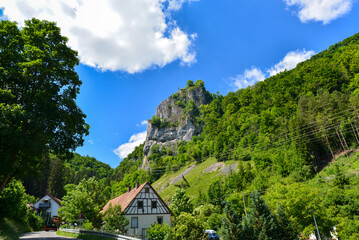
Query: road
(43, 235)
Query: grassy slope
(199, 181)
(197, 178)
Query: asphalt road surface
(43, 235)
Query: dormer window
(140, 204)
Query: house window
(160, 219)
(147, 190)
(134, 222)
(154, 204)
(140, 204)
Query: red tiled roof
(125, 199)
(55, 199)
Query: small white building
(142, 206)
(47, 206)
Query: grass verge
(82, 236)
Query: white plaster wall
(144, 222)
(54, 205)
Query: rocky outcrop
(176, 118)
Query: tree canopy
(38, 88)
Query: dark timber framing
(147, 198)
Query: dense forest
(56, 172)
(293, 137)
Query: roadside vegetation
(82, 236)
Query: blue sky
(134, 54)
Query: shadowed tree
(38, 88)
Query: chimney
(129, 189)
(137, 184)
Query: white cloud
(290, 61)
(91, 141)
(249, 77)
(253, 75)
(144, 122)
(127, 35)
(320, 10)
(124, 149)
(177, 4)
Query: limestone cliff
(176, 118)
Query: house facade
(142, 206)
(47, 206)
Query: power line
(158, 170)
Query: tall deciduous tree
(85, 198)
(38, 88)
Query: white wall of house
(54, 205)
(144, 222)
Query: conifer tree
(232, 223)
(264, 222)
(286, 229)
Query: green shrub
(156, 121)
(35, 222)
(87, 226)
(65, 226)
(158, 231)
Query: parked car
(212, 235)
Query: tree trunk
(336, 131)
(356, 126)
(326, 139)
(4, 182)
(356, 137)
(341, 133)
(343, 146)
(321, 139)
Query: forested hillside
(281, 133)
(56, 172)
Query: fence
(101, 234)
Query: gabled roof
(55, 199)
(125, 199)
(58, 201)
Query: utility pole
(316, 226)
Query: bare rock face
(175, 118)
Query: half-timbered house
(142, 206)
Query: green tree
(286, 228)
(56, 178)
(87, 199)
(115, 220)
(186, 227)
(181, 202)
(158, 231)
(38, 88)
(264, 223)
(190, 83)
(216, 194)
(13, 201)
(231, 223)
